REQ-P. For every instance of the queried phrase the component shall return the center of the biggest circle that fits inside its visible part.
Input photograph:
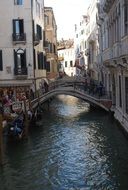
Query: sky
(67, 14)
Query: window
(66, 64)
(1, 61)
(51, 48)
(85, 45)
(41, 61)
(34, 58)
(18, 26)
(18, 2)
(126, 17)
(18, 30)
(39, 31)
(54, 48)
(37, 9)
(71, 64)
(48, 66)
(20, 61)
(82, 32)
(126, 93)
(46, 19)
(120, 95)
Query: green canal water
(70, 148)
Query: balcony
(93, 35)
(46, 44)
(107, 5)
(107, 54)
(124, 46)
(21, 72)
(19, 38)
(117, 50)
(60, 58)
(36, 39)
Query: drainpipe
(35, 88)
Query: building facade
(80, 40)
(22, 56)
(50, 42)
(92, 40)
(86, 40)
(113, 35)
(66, 57)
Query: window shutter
(21, 25)
(42, 60)
(34, 58)
(1, 61)
(40, 33)
(24, 62)
(15, 59)
(45, 62)
(48, 66)
(14, 28)
(38, 60)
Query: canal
(70, 148)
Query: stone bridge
(74, 88)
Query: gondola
(16, 128)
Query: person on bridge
(46, 86)
(31, 94)
(100, 89)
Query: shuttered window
(40, 60)
(126, 17)
(120, 94)
(39, 31)
(18, 2)
(126, 93)
(1, 61)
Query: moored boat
(16, 128)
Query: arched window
(20, 61)
(20, 58)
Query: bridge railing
(93, 91)
(77, 84)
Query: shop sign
(17, 106)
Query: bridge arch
(76, 93)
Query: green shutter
(1, 61)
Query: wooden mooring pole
(26, 122)
(1, 140)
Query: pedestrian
(85, 85)
(46, 86)
(100, 89)
(31, 94)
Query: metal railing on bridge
(76, 84)
(92, 88)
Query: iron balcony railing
(19, 37)
(21, 71)
(36, 39)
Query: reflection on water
(71, 148)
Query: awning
(14, 83)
